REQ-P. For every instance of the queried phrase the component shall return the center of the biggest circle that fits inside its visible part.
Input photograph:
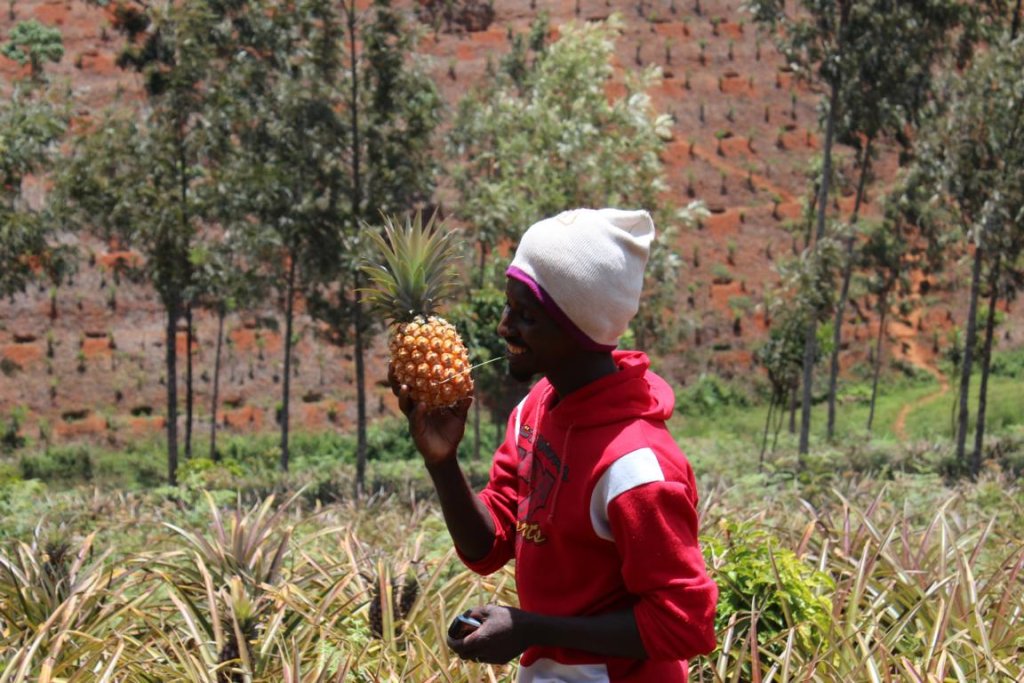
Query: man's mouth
(514, 349)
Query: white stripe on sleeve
(629, 471)
(550, 671)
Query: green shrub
(10, 435)
(20, 507)
(9, 474)
(319, 450)
(857, 394)
(709, 394)
(253, 452)
(755, 574)
(1008, 364)
(721, 275)
(388, 440)
(64, 464)
(204, 473)
(409, 476)
(130, 469)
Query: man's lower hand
(501, 637)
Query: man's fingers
(462, 407)
(392, 379)
(459, 646)
(405, 402)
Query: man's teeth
(515, 350)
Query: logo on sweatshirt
(530, 531)
(538, 471)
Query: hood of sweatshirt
(634, 392)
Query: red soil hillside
(86, 359)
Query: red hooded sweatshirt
(597, 505)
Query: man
(589, 492)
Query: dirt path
(916, 356)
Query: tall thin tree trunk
(287, 382)
(986, 364)
(482, 266)
(809, 227)
(171, 368)
(779, 418)
(214, 454)
(764, 436)
(1015, 26)
(807, 382)
(793, 405)
(883, 312)
(844, 292)
(360, 399)
(811, 336)
(357, 201)
(183, 198)
(189, 387)
(968, 356)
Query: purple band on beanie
(556, 313)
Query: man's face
(536, 344)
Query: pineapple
(427, 354)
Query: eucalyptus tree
(135, 176)
(883, 255)
(975, 150)
(890, 56)
(815, 40)
(911, 234)
(987, 22)
(31, 125)
(282, 168)
(226, 281)
(1006, 273)
(781, 355)
(1005, 269)
(542, 134)
(332, 123)
(393, 111)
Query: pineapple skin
(428, 356)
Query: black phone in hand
(462, 626)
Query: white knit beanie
(586, 267)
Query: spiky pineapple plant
(409, 282)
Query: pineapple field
(228, 229)
(242, 575)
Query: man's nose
(503, 330)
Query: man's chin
(521, 376)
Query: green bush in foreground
(765, 587)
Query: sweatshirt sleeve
(655, 529)
(500, 496)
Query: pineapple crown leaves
(415, 273)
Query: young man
(589, 492)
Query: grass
(925, 419)
(1005, 410)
